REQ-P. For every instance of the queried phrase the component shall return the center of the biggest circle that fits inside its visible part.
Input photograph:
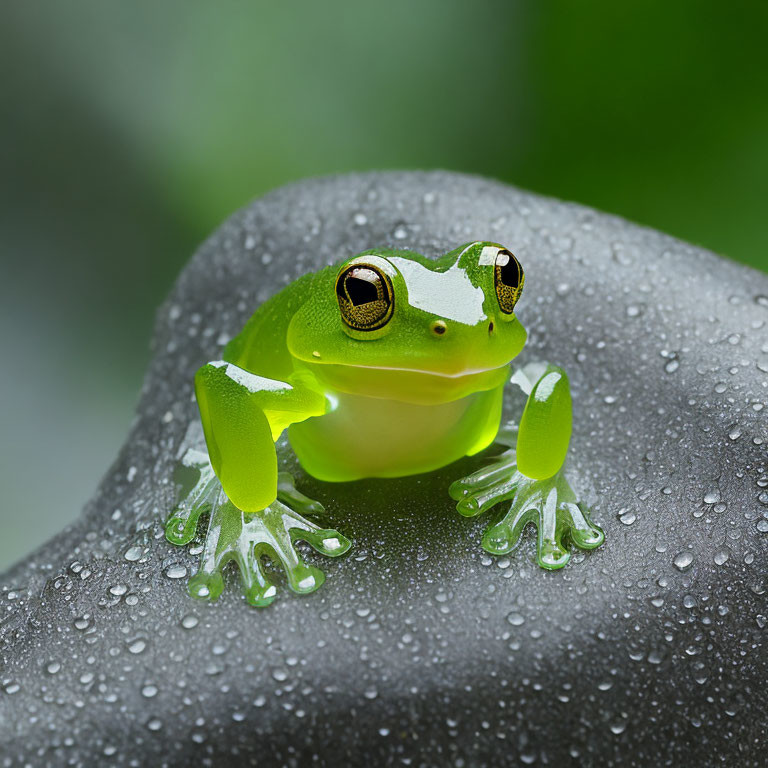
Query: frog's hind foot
(204, 497)
(494, 483)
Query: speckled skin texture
(649, 651)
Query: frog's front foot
(245, 538)
(549, 504)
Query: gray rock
(420, 649)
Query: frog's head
(397, 325)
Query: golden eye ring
(365, 296)
(508, 278)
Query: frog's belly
(373, 437)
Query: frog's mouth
(408, 384)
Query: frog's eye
(365, 297)
(509, 278)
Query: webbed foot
(233, 535)
(550, 505)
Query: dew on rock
(133, 553)
(712, 497)
(683, 561)
(118, 589)
(53, 667)
(188, 622)
(137, 646)
(721, 556)
(176, 571)
(734, 432)
(626, 516)
(360, 219)
(154, 724)
(672, 365)
(515, 619)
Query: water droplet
(371, 693)
(672, 365)
(137, 646)
(400, 232)
(149, 691)
(118, 589)
(712, 497)
(761, 301)
(626, 516)
(618, 727)
(53, 667)
(734, 433)
(515, 619)
(133, 554)
(154, 724)
(360, 219)
(188, 622)
(721, 556)
(683, 561)
(634, 310)
(176, 571)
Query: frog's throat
(427, 387)
(444, 374)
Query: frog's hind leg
(248, 538)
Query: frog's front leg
(254, 511)
(532, 478)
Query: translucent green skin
(415, 395)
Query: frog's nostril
(490, 327)
(439, 327)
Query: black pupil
(360, 291)
(510, 272)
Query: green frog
(385, 365)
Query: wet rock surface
(420, 649)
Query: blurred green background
(131, 129)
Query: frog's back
(261, 346)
